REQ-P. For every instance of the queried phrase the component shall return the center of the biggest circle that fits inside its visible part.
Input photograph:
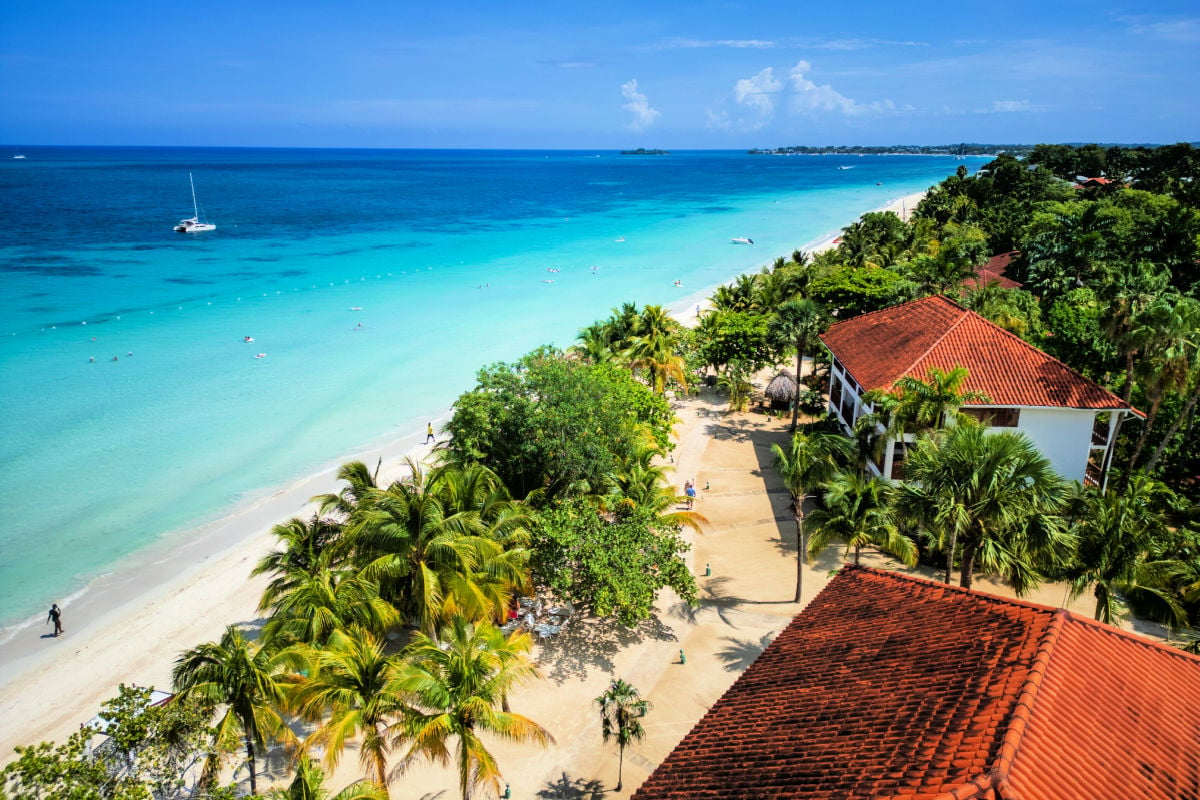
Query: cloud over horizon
(808, 96)
(639, 106)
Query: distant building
(993, 271)
(1091, 183)
(893, 687)
(1072, 421)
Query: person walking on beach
(429, 437)
(56, 615)
(689, 489)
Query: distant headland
(961, 149)
(641, 151)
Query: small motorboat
(741, 240)
(261, 355)
(248, 339)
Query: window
(899, 451)
(835, 391)
(995, 417)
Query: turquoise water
(444, 254)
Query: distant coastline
(641, 151)
(962, 149)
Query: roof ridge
(962, 316)
(1113, 630)
(1039, 351)
(1027, 698)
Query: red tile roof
(993, 272)
(888, 686)
(877, 349)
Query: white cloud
(1011, 107)
(639, 106)
(1179, 30)
(741, 44)
(863, 44)
(809, 97)
(756, 94)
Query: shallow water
(374, 283)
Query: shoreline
(182, 591)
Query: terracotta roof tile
(888, 686)
(879, 348)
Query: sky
(583, 75)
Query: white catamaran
(194, 225)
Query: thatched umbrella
(781, 391)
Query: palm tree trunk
(1141, 442)
(968, 565)
(620, 767)
(801, 547)
(950, 555)
(796, 401)
(1170, 434)
(857, 550)
(250, 762)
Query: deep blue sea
(374, 284)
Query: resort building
(893, 687)
(1071, 420)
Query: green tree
(858, 510)
(612, 567)
(457, 691)
(553, 424)
(654, 349)
(928, 404)
(726, 336)
(810, 460)
(993, 494)
(431, 550)
(307, 548)
(309, 784)
(352, 691)
(55, 772)
(1116, 538)
(247, 680)
(798, 323)
(621, 711)
(851, 291)
(330, 600)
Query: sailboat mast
(195, 209)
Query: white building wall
(1063, 435)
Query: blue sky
(361, 73)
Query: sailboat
(194, 225)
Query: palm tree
(457, 693)
(431, 549)
(653, 348)
(621, 712)
(992, 493)
(320, 604)
(1170, 333)
(859, 510)
(309, 785)
(359, 480)
(640, 483)
(308, 548)
(248, 680)
(1116, 539)
(810, 460)
(926, 404)
(352, 691)
(798, 322)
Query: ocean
(373, 284)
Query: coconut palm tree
(858, 510)
(249, 681)
(992, 493)
(1170, 334)
(621, 712)
(927, 404)
(320, 604)
(309, 784)
(359, 479)
(307, 548)
(456, 696)
(352, 692)
(431, 549)
(798, 322)
(810, 460)
(642, 484)
(1115, 552)
(653, 348)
